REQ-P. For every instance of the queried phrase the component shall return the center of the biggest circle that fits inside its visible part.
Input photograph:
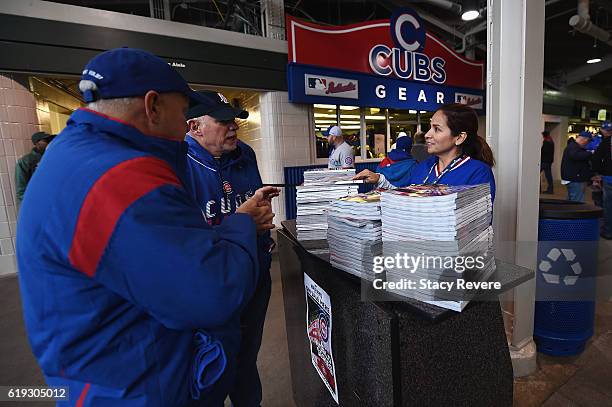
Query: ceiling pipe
(582, 22)
(445, 4)
(464, 40)
(583, 9)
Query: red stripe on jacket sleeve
(106, 201)
(83, 395)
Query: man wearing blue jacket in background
(222, 173)
(123, 282)
(399, 162)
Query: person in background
(419, 148)
(596, 140)
(399, 136)
(597, 185)
(26, 165)
(342, 155)
(222, 173)
(602, 164)
(547, 156)
(459, 155)
(399, 162)
(575, 166)
(123, 282)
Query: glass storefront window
(375, 132)
(402, 121)
(374, 128)
(324, 116)
(425, 121)
(350, 122)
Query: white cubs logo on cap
(223, 98)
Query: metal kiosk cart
(395, 353)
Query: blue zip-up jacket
(118, 267)
(221, 185)
(398, 170)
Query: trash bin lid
(562, 209)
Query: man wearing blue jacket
(124, 284)
(221, 174)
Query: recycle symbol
(553, 255)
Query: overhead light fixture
(469, 10)
(594, 56)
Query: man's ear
(152, 106)
(193, 125)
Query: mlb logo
(473, 101)
(317, 83)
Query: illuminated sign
(394, 63)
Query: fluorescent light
(412, 111)
(423, 111)
(349, 116)
(320, 106)
(594, 61)
(470, 15)
(349, 107)
(350, 122)
(331, 116)
(374, 110)
(375, 117)
(351, 127)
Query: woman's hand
(368, 176)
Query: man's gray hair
(114, 107)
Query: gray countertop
(508, 275)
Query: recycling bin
(568, 238)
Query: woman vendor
(458, 155)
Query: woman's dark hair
(461, 118)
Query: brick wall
(18, 120)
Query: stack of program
(355, 233)
(320, 188)
(445, 234)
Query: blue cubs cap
(607, 125)
(586, 134)
(216, 105)
(403, 143)
(130, 72)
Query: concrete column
(514, 109)
(285, 141)
(18, 121)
